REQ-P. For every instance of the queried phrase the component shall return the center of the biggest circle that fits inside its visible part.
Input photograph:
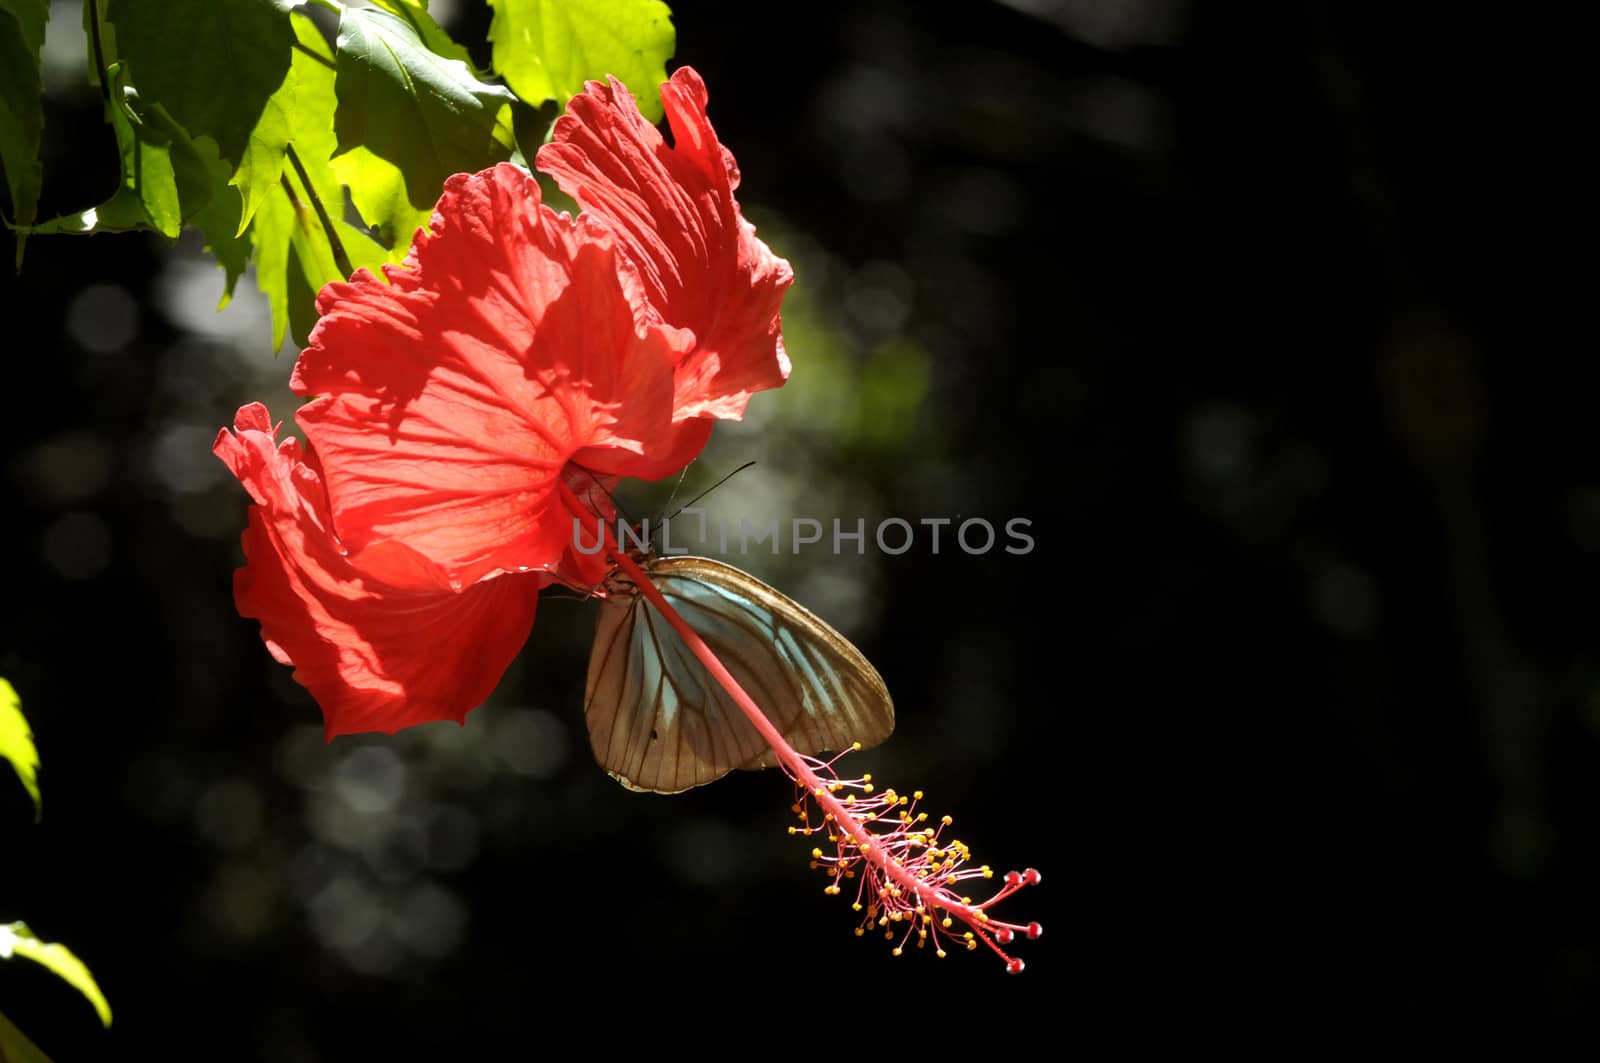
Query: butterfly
(658, 722)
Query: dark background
(1249, 308)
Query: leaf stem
(99, 50)
(340, 258)
(324, 60)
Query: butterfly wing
(657, 721)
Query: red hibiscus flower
(397, 568)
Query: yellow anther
(947, 923)
(860, 932)
(819, 791)
(856, 907)
(850, 799)
(867, 789)
(968, 935)
(856, 746)
(971, 944)
(816, 854)
(922, 817)
(866, 778)
(835, 787)
(904, 800)
(939, 953)
(794, 830)
(988, 872)
(947, 821)
(916, 795)
(983, 916)
(966, 900)
(896, 950)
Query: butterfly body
(658, 722)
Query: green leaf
(427, 114)
(15, 1046)
(30, 17)
(148, 197)
(300, 113)
(293, 255)
(17, 939)
(293, 259)
(547, 49)
(362, 249)
(165, 177)
(16, 744)
(438, 41)
(22, 25)
(300, 109)
(302, 293)
(219, 221)
(312, 265)
(378, 189)
(212, 64)
(274, 220)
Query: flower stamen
(904, 870)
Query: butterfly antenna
(710, 489)
(682, 475)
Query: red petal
(702, 266)
(451, 398)
(375, 658)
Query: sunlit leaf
(274, 220)
(547, 49)
(300, 109)
(293, 259)
(362, 249)
(212, 64)
(16, 744)
(426, 113)
(17, 940)
(15, 1046)
(22, 106)
(293, 255)
(378, 189)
